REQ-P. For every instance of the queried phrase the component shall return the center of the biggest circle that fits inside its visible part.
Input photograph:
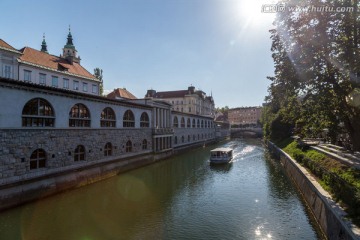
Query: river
(179, 198)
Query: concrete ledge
(330, 216)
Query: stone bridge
(244, 132)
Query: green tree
(315, 85)
(98, 73)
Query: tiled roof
(5, 45)
(172, 94)
(46, 60)
(121, 93)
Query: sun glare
(250, 11)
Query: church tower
(44, 45)
(69, 51)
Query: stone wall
(17, 145)
(328, 214)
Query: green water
(179, 198)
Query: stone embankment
(329, 215)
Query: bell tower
(44, 45)
(69, 51)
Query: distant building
(187, 101)
(121, 93)
(244, 115)
(40, 67)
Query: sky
(221, 47)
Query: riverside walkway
(351, 159)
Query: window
(66, 83)
(76, 85)
(108, 149)
(144, 144)
(202, 123)
(38, 159)
(188, 123)
(42, 78)
(94, 88)
(175, 123)
(182, 139)
(54, 81)
(79, 116)
(128, 147)
(182, 122)
(7, 71)
(27, 75)
(189, 109)
(108, 118)
(189, 138)
(175, 140)
(85, 87)
(79, 154)
(38, 113)
(128, 119)
(144, 120)
(193, 123)
(198, 123)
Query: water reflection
(180, 198)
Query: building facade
(244, 116)
(40, 67)
(190, 101)
(57, 132)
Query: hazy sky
(218, 46)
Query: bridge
(246, 132)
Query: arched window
(144, 120)
(38, 113)
(175, 123)
(108, 118)
(79, 116)
(183, 122)
(202, 123)
(128, 147)
(182, 139)
(38, 159)
(188, 123)
(193, 123)
(175, 140)
(128, 119)
(79, 154)
(144, 144)
(108, 149)
(198, 123)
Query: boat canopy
(221, 150)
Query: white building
(187, 101)
(40, 67)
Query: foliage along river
(179, 198)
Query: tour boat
(221, 155)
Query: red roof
(121, 93)
(172, 94)
(4, 44)
(46, 60)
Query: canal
(179, 198)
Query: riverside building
(58, 133)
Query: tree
(316, 80)
(98, 73)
